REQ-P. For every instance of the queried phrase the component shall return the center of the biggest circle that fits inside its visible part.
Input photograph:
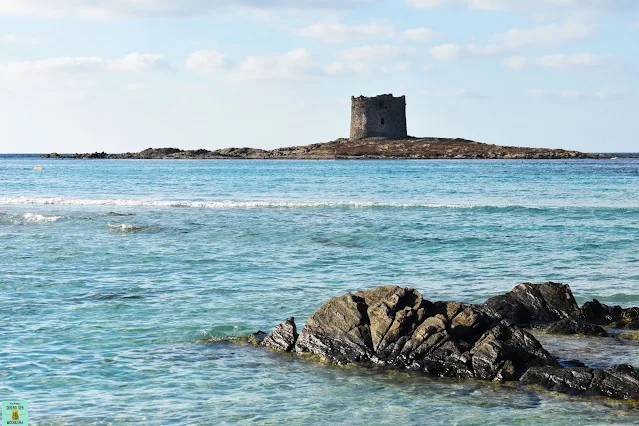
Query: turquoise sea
(120, 280)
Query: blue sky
(124, 75)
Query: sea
(122, 281)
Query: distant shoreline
(344, 149)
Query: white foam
(253, 204)
(229, 204)
(38, 218)
(122, 226)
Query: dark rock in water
(620, 382)
(614, 316)
(283, 337)
(256, 338)
(396, 327)
(598, 313)
(570, 326)
(536, 303)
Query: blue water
(120, 318)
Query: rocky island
(366, 148)
(377, 131)
(396, 328)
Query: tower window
(383, 121)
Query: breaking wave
(129, 228)
(251, 204)
(37, 218)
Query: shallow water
(115, 272)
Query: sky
(125, 75)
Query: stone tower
(381, 116)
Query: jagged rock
(570, 326)
(614, 316)
(620, 382)
(283, 337)
(536, 303)
(396, 327)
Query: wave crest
(252, 204)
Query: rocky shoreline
(372, 148)
(396, 328)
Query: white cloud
(402, 66)
(341, 68)
(64, 96)
(134, 62)
(477, 50)
(107, 9)
(207, 61)
(531, 5)
(516, 62)
(455, 93)
(446, 52)
(294, 64)
(589, 96)
(574, 95)
(427, 4)
(449, 52)
(634, 26)
(514, 38)
(423, 34)
(140, 62)
(366, 53)
(429, 67)
(7, 39)
(136, 87)
(61, 65)
(548, 34)
(577, 60)
(536, 93)
(339, 33)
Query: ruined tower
(381, 116)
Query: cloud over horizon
(109, 9)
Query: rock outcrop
(283, 337)
(613, 316)
(620, 382)
(396, 327)
(536, 303)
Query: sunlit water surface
(115, 274)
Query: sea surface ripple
(121, 279)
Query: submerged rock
(256, 338)
(571, 326)
(629, 336)
(283, 337)
(396, 327)
(536, 303)
(620, 382)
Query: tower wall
(380, 116)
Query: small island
(376, 148)
(377, 131)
